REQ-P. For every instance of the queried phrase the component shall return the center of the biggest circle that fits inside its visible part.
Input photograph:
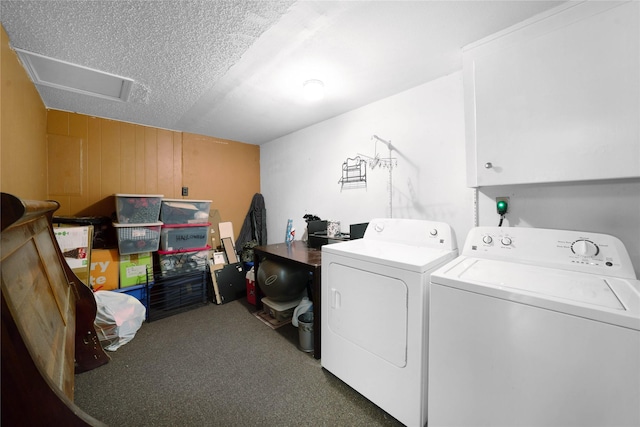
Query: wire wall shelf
(354, 173)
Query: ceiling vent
(47, 71)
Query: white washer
(535, 327)
(375, 295)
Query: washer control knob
(487, 239)
(506, 241)
(585, 248)
(379, 227)
(433, 232)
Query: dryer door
(369, 309)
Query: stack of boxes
(184, 236)
(171, 234)
(138, 234)
(183, 255)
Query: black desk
(298, 254)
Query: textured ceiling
(234, 69)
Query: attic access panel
(52, 72)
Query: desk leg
(317, 309)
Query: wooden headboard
(47, 321)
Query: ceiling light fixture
(313, 90)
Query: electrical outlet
(502, 205)
(185, 191)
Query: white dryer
(535, 327)
(375, 295)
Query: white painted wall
(608, 207)
(300, 173)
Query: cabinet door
(557, 98)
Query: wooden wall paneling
(165, 162)
(65, 165)
(57, 127)
(67, 159)
(177, 165)
(94, 164)
(150, 161)
(199, 171)
(23, 133)
(245, 171)
(110, 158)
(57, 122)
(227, 172)
(78, 127)
(119, 157)
(127, 158)
(139, 166)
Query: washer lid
(601, 298)
(555, 283)
(407, 257)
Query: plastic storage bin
(140, 292)
(138, 238)
(176, 237)
(183, 261)
(182, 211)
(281, 311)
(138, 208)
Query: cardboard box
(133, 269)
(105, 269)
(75, 244)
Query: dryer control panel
(594, 253)
(416, 232)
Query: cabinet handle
(488, 165)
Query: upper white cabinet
(556, 98)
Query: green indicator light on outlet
(502, 207)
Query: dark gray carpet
(218, 365)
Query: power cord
(502, 206)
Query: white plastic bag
(118, 318)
